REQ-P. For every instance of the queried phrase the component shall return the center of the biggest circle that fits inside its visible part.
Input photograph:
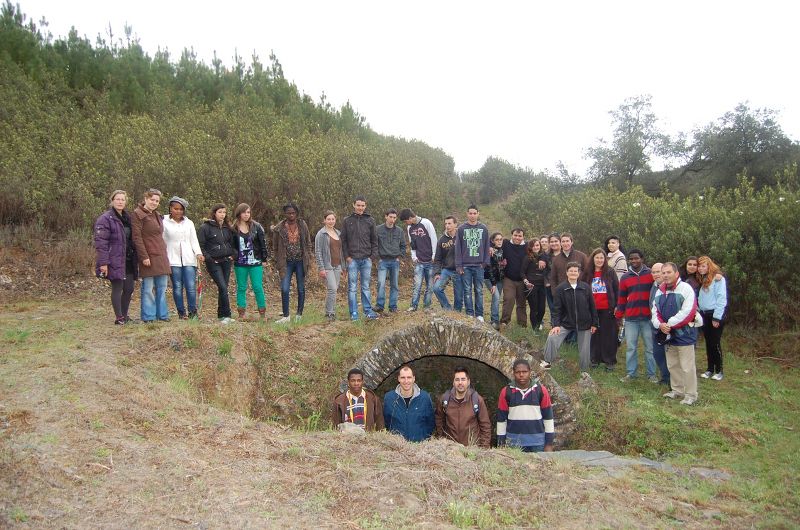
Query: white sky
(528, 82)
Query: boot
(262, 313)
(241, 311)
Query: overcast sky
(528, 82)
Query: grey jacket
(391, 242)
(322, 250)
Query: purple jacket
(111, 245)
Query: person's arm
(546, 408)
(431, 231)
(102, 245)
(201, 239)
(402, 246)
(622, 300)
(484, 425)
(458, 256)
(437, 260)
(344, 237)
(413, 244)
(275, 236)
(387, 414)
(688, 308)
(195, 242)
(502, 417)
(720, 300)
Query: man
(674, 312)
(472, 255)
(525, 413)
(575, 311)
(558, 273)
(514, 290)
(422, 235)
(391, 247)
(408, 410)
(358, 405)
(292, 245)
(461, 413)
(659, 352)
(444, 267)
(633, 304)
(359, 243)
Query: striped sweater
(525, 417)
(634, 295)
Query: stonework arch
(440, 335)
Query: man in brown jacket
(461, 413)
(558, 272)
(358, 405)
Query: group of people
(596, 299)
(524, 410)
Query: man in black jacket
(359, 244)
(574, 311)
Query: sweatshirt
(445, 257)
(472, 245)
(422, 235)
(391, 242)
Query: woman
(688, 272)
(328, 252)
(116, 255)
(605, 290)
(535, 275)
(147, 228)
(493, 275)
(554, 242)
(616, 255)
(251, 254)
(292, 246)
(216, 242)
(711, 302)
(183, 251)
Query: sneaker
(120, 321)
(717, 377)
(372, 316)
(653, 379)
(298, 319)
(354, 316)
(393, 310)
(544, 365)
(226, 320)
(411, 309)
(705, 375)
(284, 320)
(609, 368)
(502, 326)
(480, 319)
(182, 317)
(627, 379)
(673, 395)
(688, 401)
(331, 317)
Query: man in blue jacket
(408, 410)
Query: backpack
(447, 395)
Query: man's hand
(555, 331)
(460, 270)
(593, 329)
(664, 327)
(323, 274)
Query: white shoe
(226, 320)
(284, 320)
(705, 375)
(688, 401)
(298, 318)
(480, 319)
(673, 395)
(717, 377)
(544, 365)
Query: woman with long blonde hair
(712, 302)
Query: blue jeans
(473, 283)
(495, 299)
(660, 356)
(392, 268)
(154, 298)
(458, 290)
(184, 278)
(634, 329)
(363, 267)
(296, 268)
(422, 271)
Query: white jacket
(182, 244)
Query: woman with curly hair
(535, 274)
(712, 302)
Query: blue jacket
(677, 306)
(414, 422)
(715, 298)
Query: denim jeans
(495, 299)
(392, 268)
(458, 290)
(356, 267)
(633, 330)
(473, 284)
(296, 268)
(154, 298)
(422, 271)
(221, 274)
(183, 278)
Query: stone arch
(443, 336)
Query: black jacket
(531, 270)
(445, 257)
(216, 241)
(574, 308)
(359, 236)
(260, 250)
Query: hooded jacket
(374, 420)
(359, 238)
(111, 245)
(414, 422)
(459, 422)
(146, 230)
(445, 257)
(574, 308)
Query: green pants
(255, 274)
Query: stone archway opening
(436, 345)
